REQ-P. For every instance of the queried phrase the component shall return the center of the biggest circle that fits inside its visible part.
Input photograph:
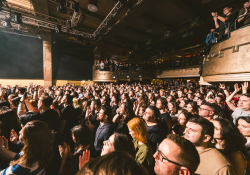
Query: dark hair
(15, 101)
(107, 100)
(69, 98)
(22, 90)
(163, 101)
(234, 141)
(194, 106)
(207, 126)
(186, 114)
(247, 119)
(46, 100)
(246, 95)
(107, 111)
(155, 111)
(122, 142)
(209, 105)
(188, 156)
(116, 162)
(97, 102)
(82, 135)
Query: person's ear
(211, 112)
(206, 138)
(184, 171)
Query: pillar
(47, 60)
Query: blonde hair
(138, 126)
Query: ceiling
(127, 31)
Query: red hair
(138, 126)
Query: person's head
(199, 101)
(114, 163)
(227, 132)
(243, 124)
(138, 130)
(44, 102)
(141, 111)
(21, 90)
(247, 4)
(77, 103)
(104, 114)
(38, 142)
(183, 103)
(81, 135)
(105, 100)
(173, 107)
(67, 99)
(124, 108)
(199, 131)
(244, 102)
(206, 110)
(180, 93)
(162, 92)
(151, 114)
(227, 11)
(131, 93)
(192, 107)
(118, 142)
(176, 156)
(96, 104)
(183, 117)
(161, 103)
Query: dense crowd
(170, 128)
(146, 65)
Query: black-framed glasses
(202, 109)
(161, 157)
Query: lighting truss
(46, 21)
(111, 14)
(39, 19)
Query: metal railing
(242, 16)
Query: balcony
(229, 61)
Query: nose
(155, 155)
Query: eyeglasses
(161, 158)
(202, 109)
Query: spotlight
(7, 23)
(92, 6)
(61, 8)
(58, 29)
(18, 18)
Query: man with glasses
(175, 156)
(200, 132)
(206, 110)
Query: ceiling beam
(154, 20)
(131, 15)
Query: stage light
(7, 23)
(58, 29)
(61, 8)
(92, 6)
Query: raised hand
(63, 152)
(237, 88)
(84, 158)
(244, 87)
(13, 136)
(222, 86)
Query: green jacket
(144, 154)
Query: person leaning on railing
(229, 17)
(243, 11)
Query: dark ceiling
(185, 24)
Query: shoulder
(237, 155)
